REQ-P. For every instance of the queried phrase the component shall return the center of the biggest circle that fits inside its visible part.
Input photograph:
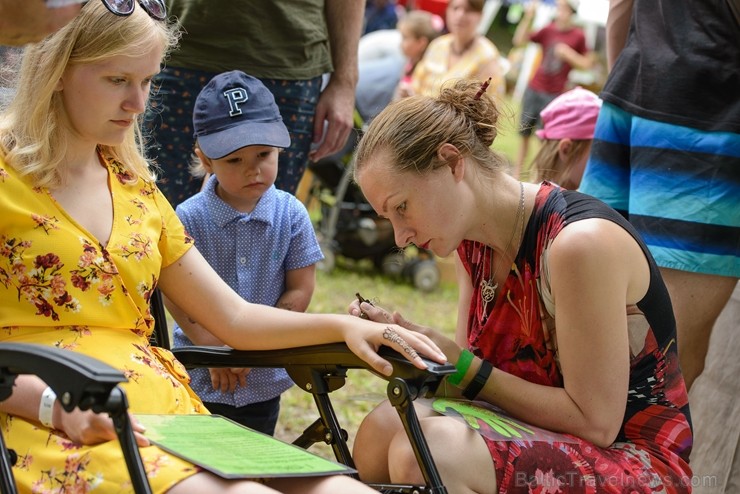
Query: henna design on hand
(391, 335)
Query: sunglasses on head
(155, 8)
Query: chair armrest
(78, 380)
(328, 359)
(320, 369)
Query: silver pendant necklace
(489, 286)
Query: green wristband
(462, 366)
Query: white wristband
(46, 408)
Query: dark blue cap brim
(225, 142)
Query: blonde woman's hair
(33, 134)
(411, 130)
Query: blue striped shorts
(679, 187)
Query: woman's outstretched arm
(193, 285)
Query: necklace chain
(465, 47)
(489, 286)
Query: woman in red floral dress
(566, 342)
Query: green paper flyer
(231, 450)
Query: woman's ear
(448, 153)
(565, 147)
(450, 156)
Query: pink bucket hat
(571, 115)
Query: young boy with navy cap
(259, 239)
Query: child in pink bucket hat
(567, 131)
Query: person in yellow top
(86, 237)
(462, 53)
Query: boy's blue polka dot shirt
(251, 252)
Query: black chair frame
(80, 382)
(322, 369)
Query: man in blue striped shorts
(666, 151)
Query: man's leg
(297, 103)
(169, 124)
(523, 150)
(527, 122)
(697, 301)
(533, 103)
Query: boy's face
(244, 175)
(412, 47)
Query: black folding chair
(321, 369)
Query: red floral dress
(518, 336)
(60, 287)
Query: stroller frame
(421, 269)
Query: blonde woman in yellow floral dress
(85, 237)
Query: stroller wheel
(426, 275)
(329, 262)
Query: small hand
(227, 379)
(379, 314)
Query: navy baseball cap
(235, 110)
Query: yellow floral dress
(59, 286)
